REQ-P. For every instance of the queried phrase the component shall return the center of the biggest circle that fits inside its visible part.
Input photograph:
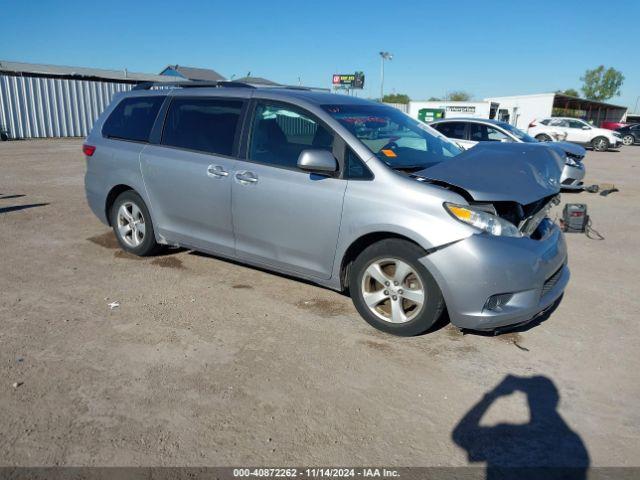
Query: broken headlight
(482, 220)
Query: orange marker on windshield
(389, 153)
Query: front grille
(551, 282)
(568, 181)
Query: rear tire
(600, 144)
(628, 140)
(393, 291)
(132, 225)
(4, 137)
(543, 137)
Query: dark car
(630, 134)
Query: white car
(576, 131)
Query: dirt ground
(207, 362)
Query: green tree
(459, 96)
(434, 99)
(572, 92)
(396, 98)
(601, 84)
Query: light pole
(383, 56)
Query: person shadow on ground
(543, 448)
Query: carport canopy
(593, 111)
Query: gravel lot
(207, 362)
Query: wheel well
(358, 246)
(111, 197)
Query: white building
(521, 110)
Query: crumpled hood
(517, 172)
(571, 148)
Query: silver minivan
(347, 193)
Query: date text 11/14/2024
(315, 473)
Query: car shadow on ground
(545, 447)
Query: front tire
(393, 291)
(628, 140)
(132, 225)
(600, 144)
(543, 137)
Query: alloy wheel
(600, 145)
(131, 225)
(393, 290)
(627, 140)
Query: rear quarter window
(133, 119)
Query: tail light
(88, 150)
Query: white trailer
(451, 109)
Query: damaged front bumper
(572, 176)
(528, 275)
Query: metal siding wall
(403, 107)
(40, 107)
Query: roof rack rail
(192, 84)
(311, 89)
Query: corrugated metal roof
(193, 73)
(257, 81)
(20, 68)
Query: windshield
(519, 134)
(395, 138)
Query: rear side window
(558, 122)
(204, 124)
(575, 124)
(133, 119)
(451, 129)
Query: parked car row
(468, 132)
(347, 193)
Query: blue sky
(484, 47)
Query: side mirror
(321, 161)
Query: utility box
(427, 115)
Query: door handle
(216, 171)
(246, 177)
